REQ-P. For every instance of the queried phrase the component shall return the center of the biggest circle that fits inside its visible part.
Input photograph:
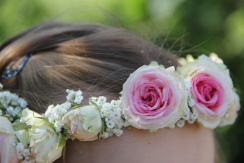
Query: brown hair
(94, 58)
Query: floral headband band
(153, 97)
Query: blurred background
(181, 26)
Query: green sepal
(153, 63)
(98, 108)
(103, 128)
(75, 107)
(61, 141)
(19, 126)
(43, 118)
(34, 119)
(64, 151)
(23, 136)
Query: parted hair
(94, 58)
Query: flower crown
(153, 97)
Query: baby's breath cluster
(112, 115)
(23, 153)
(55, 114)
(189, 117)
(11, 105)
(74, 96)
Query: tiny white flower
(93, 99)
(194, 116)
(191, 121)
(26, 152)
(110, 124)
(186, 110)
(118, 132)
(14, 97)
(70, 95)
(66, 105)
(14, 103)
(78, 93)
(103, 113)
(1, 86)
(180, 123)
(78, 99)
(10, 110)
(104, 135)
(107, 106)
(191, 102)
(102, 100)
(116, 114)
(22, 103)
(186, 116)
(17, 110)
(188, 84)
(114, 104)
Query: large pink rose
(154, 97)
(212, 89)
(7, 138)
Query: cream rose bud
(154, 97)
(212, 88)
(84, 123)
(44, 141)
(7, 139)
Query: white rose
(84, 123)
(7, 138)
(44, 141)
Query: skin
(189, 144)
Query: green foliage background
(181, 26)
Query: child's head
(97, 59)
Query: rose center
(207, 91)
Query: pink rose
(154, 97)
(212, 88)
(7, 138)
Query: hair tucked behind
(94, 58)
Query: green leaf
(19, 126)
(61, 141)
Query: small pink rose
(212, 89)
(152, 97)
